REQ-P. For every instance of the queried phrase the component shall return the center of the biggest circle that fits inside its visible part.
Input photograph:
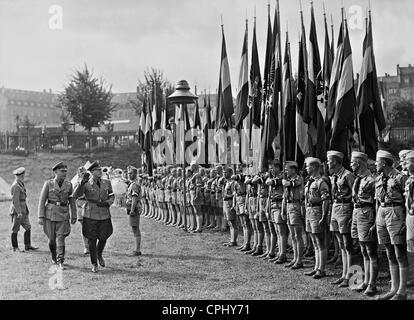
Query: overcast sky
(119, 39)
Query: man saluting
(97, 224)
(55, 200)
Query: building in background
(398, 88)
(39, 108)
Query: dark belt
(363, 205)
(228, 198)
(240, 194)
(57, 203)
(314, 205)
(342, 201)
(391, 204)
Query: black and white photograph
(206, 155)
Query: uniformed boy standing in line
(363, 221)
(252, 199)
(19, 211)
(134, 208)
(241, 208)
(409, 196)
(342, 182)
(57, 210)
(276, 204)
(229, 204)
(317, 197)
(97, 224)
(390, 223)
(294, 195)
(263, 226)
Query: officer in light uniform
(390, 223)
(134, 208)
(57, 210)
(363, 220)
(97, 224)
(409, 196)
(317, 197)
(19, 211)
(342, 182)
(293, 197)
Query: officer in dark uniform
(19, 211)
(97, 224)
(57, 210)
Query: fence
(404, 135)
(70, 141)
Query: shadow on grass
(184, 257)
(153, 275)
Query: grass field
(174, 265)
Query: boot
(61, 255)
(27, 241)
(14, 242)
(52, 248)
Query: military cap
(86, 165)
(382, 154)
(333, 153)
(293, 164)
(60, 166)
(360, 155)
(311, 160)
(19, 171)
(403, 153)
(94, 166)
(132, 169)
(409, 155)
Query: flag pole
(282, 112)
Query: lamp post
(182, 96)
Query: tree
(154, 81)
(402, 113)
(87, 100)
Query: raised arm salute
(97, 224)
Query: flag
(242, 110)
(197, 119)
(314, 108)
(142, 121)
(370, 112)
(225, 107)
(271, 98)
(288, 105)
(207, 125)
(256, 88)
(301, 127)
(327, 71)
(333, 84)
(267, 67)
(345, 100)
(156, 121)
(148, 142)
